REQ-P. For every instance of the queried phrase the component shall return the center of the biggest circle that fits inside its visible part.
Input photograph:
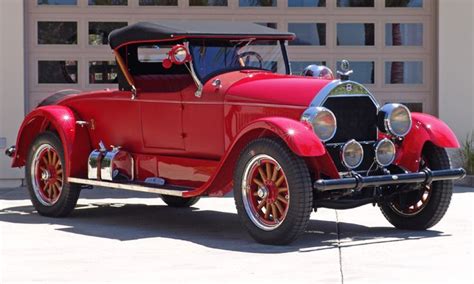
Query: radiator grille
(356, 118)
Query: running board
(165, 190)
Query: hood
(270, 88)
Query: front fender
(425, 128)
(62, 120)
(300, 138)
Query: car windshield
(211, 58)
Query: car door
(161, 112)
(203, 122)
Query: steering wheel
(244, 56)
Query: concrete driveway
(118, 236)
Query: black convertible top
(150, 31)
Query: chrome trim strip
(132, 187)
(325, 92)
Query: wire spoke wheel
(414, 202)
(47, 175)
(265, 192)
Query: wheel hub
(272, 191)
(45, 175)
(262, 192)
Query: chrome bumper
(358, 182)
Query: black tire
(299, 193)
(439, 197)
(67, 197)
(175, 201)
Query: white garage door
(391, 43)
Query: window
(308, 33)
(57, 2)
(298, 66)
(355, 34)
(355, 3)
(57, 32)
(363, 71)
(102, 72)
(414, 107)
(404, 3)
(257, 3)
(215, 57)
(108, 2)
(57, 72)
(158, 3)
(403, 34)
(99, 31)
(306, 3)
(153, 53)
(403, 72)
(207, 2)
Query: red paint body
(195, 141)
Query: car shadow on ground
(213, 229)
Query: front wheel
(422, 209)
(272, 191)
(50, 193)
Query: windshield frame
(284, 56)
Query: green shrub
(467, 153)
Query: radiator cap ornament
(345, 70)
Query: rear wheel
(175, 201)
(50, 194)
(272, 191)
(422, 209)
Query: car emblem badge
(349, 87)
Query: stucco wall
(456, 60)
(12, 80)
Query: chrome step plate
(127, 186)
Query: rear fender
(298, 137)
(425, 128)
(62, 120)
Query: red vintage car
(206, 108)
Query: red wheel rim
(416, 206)
(47, 175)
(265, 192)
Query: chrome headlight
(322, 120)
(352, 154)
(394, 119)
(385, 152)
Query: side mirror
(178, 55)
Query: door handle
(216, 83)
